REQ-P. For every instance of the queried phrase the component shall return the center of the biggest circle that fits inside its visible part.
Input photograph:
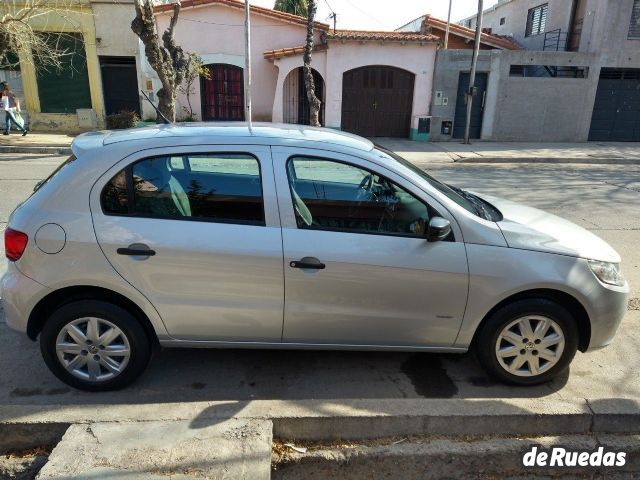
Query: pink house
(370, 83)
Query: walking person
(6, 99)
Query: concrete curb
(350, 419)
(556, 160)
(35, 150)
(458, 458)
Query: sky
(385, 14)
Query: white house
(370, 83)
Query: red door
(223, 93)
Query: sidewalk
(417, 152)
(514, 152)
(36, 142)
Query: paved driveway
(605, 199)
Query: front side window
(537, 20)
(335, 196)
(216, 187)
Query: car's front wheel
(528, 342)
(94, 345)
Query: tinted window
(329, 195)
(219, 187)
(114, 196)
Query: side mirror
(438, 229)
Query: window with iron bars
(537, 20)
(634, 24)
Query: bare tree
(168, 59)
(314, 102)
(195, 70)
(18, 36)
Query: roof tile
(382, 36)
(288, 17)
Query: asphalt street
(603, 198)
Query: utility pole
(446, 33)
(247, 62)
(334, 16)
(472, 76)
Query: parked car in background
(283, 236)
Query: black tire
(139, 343)
(485, 345)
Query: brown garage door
(377, 101)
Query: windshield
(468, 201)
(55, 172)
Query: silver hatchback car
(281, 236)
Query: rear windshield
(39, 185)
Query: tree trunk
(314, 102)
(167, 59)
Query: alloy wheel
(93, 349)
(530, 345)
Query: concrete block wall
(521, 108)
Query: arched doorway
(296, 107)
(377, 101)
(222, 94)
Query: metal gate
(222, 94)
(120, 84)
(296, 107)
(477, 108)
(377, 101)
(616, 112)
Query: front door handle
(308, 262)
(137, 250)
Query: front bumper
(607, 307)
(19, 295)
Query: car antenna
(165, 120)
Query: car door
(358, 269)
(196, 230)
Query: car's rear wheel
(94, 345)
(528, 342)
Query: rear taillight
(14, 243)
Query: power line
(365, 13)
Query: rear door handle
(137, 250)
(308, 262)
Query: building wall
(114, 37)
(515, 14)
(605, 31)
(541, 109)
(217, 34)
(449, 64)
(521, 108)
(77, 19)
(416, 58)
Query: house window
(537, 20)
(634, 25)
(502, 21)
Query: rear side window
(216, 187)
(68, 161)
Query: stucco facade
(215, 32)
(77, 18)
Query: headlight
(607, 272)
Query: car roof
(272, 133)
